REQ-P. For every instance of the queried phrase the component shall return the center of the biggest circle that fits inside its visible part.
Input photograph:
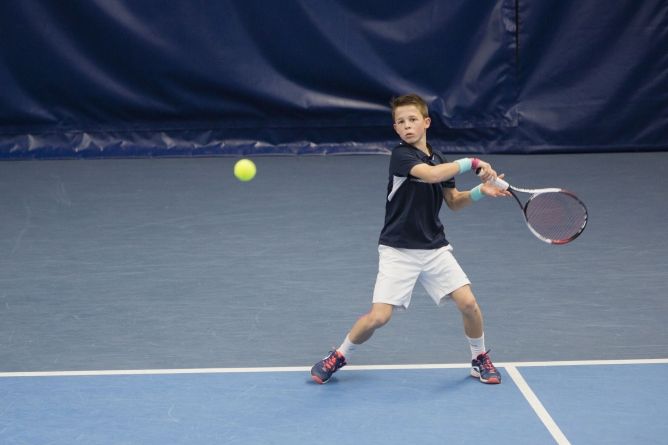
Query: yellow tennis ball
(245, 170)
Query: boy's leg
(398, 269)
(362, 331)
(481, 365)
(467, 305)
(365, 327)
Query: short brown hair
(410, 99)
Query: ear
(427, 122)
(395, 128)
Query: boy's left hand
(490, 189)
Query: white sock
(477, 346)
(347, 348)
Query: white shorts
(399, 269)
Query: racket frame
(535, 192)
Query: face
(410, 125)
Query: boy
(412, 244)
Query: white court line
(648, 361)
(308, 368)
(537, 406)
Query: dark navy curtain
(91, 78)
(593, 75)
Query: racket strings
(556, 216)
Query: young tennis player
(412, 244)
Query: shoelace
(331, 362)
(487, 363)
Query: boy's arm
(442, 172)
(456, 200)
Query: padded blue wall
(593, 75)
(90, 78)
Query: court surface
(163, 301)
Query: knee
(469, 306)
(378, 319)
(465, 300)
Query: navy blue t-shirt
(412, 206)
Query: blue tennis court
(396, 405)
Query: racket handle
(500, 183)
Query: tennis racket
(554, 215)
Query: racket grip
(496, 181)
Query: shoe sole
(317, 379)
(493, 380)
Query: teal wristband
(464, 164)
(476, 194)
